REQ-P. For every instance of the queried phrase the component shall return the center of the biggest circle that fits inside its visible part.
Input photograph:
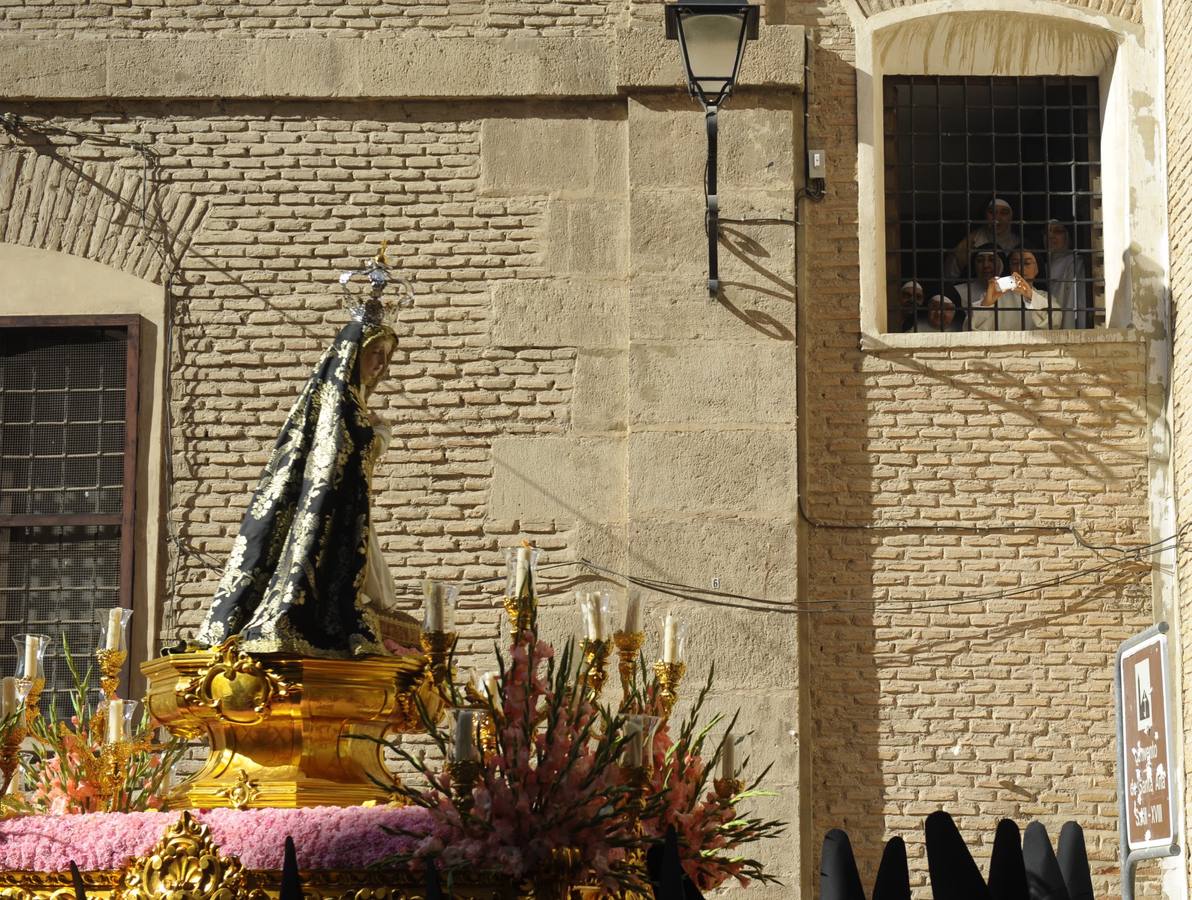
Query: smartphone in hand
(1005, 283)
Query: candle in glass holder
(115, 732)
(670, 639)
(728, 757)
(465, 741)
(523, 569)
(633, 613)
(9, 705)
(32, 646)
(432, 616)
(635, 745)
(492, 686)
(115, 636)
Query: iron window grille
(68, 426)
(955, 145)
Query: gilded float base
(289, 731)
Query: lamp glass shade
(712, 50)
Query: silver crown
(370, 308)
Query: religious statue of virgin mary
(305, 575)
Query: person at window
(940, 316)
(305, 574)
(1014, 303)
(910, 304)
(986, 263)
(1066, 277)
(997, 231)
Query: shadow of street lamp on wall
(712, 37)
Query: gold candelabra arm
(727, 788)
(595, 666)
(669, 676)
(520, 611)
(113, 768)
(464, 775)
(10, 751)
(111, 665)
(437, 645)
(32, 688)
(629, 644)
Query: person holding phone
(1013, 303)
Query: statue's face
(374, 362)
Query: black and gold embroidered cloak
(293, 579)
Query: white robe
(378, 581)
(1014, 312)
(1065, 282)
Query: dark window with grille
(993, 179)
(68, 405)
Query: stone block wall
(562, 377)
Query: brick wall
(1178, 28)
(987, 710)
(157, 18)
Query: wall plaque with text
(1143, 754)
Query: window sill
(903, 341)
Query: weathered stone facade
(564, 377)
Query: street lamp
(712, 38)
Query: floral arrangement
(549, 792)
(69, 771)
(551, 799)
(326, 837)
(703, 812)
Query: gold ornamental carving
(238, 687)
(187, 865)
(242, 791)
(287, 731)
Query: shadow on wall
(735, 239)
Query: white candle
(115, 635)
(633, 613)
(523, 569)
(728, 757)
(492, 686)
(634, 747)
(32, 645)
(465, 745)
(8, 697)
(670, 639)
(598, 623)
(432, 617)
(115, 721)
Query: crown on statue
(370, 308)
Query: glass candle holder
(31, 653)
(438, 606)
(13, 692)
(630, 613)
(465, 726)
(119, 717)
(596, 615)
(639, 746)
(674, 639)
(521, 566)
(113, 628)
